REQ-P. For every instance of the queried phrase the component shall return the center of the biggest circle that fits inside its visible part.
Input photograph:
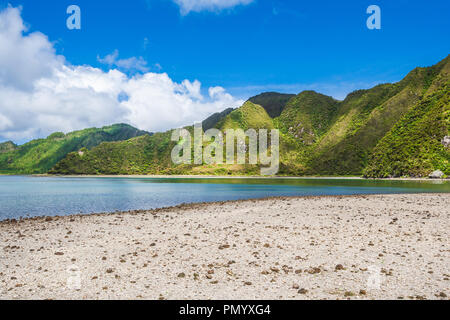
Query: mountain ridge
(369, 133)
(7, 146)
(40, 155)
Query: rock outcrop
(438, 174)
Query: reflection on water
(25, 196)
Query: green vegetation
(413, 147)
(272, 102)
(366, 116)
(391, 130)
(308, 115)
(152, 155)
(211, 121)
(248, 116)
(7, 146)
(39, 156)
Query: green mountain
(272, 102)
(389, 130)
(366, 116)
(212, 120)
(307, 116)
(414, 146)
(152, 154)
(7, 146)
(248, 116)
(140, 155)
(39, 156)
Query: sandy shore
(355, 247)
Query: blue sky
(159, 49)
(279, 45)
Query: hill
(7, 146)
(272, 102)
(393, 129)
(212, 120)
(414, 147)
(366, 116)
(39, 156)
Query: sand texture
(346, 247)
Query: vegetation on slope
(211, 121)
(413, 147)
(39, 156)
(364, 118)
(307, 116)
(389, 130)
(152, 155)
(272, 102)
(7, 146)
(248, 116)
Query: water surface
(27, 196)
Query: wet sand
(344, 247)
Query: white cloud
(187, 6)
(40, 93)
(130, 64)
(23, 58)
(5, 123)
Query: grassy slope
(272, 102)
(307, 115)
(364, 118)
(133, 156)
(248, 116)
(413, 147)
(305, 118)
(38, 156)
(212, 120)
(391, 129)
(7, 146)
(152, 155)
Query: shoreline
(227, 177)
(200, 205)
(289, 248)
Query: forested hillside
(390, 130)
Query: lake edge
(233, 177)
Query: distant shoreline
(227, 177)
(201, 204)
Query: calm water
(34, 196)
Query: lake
(27, 196)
